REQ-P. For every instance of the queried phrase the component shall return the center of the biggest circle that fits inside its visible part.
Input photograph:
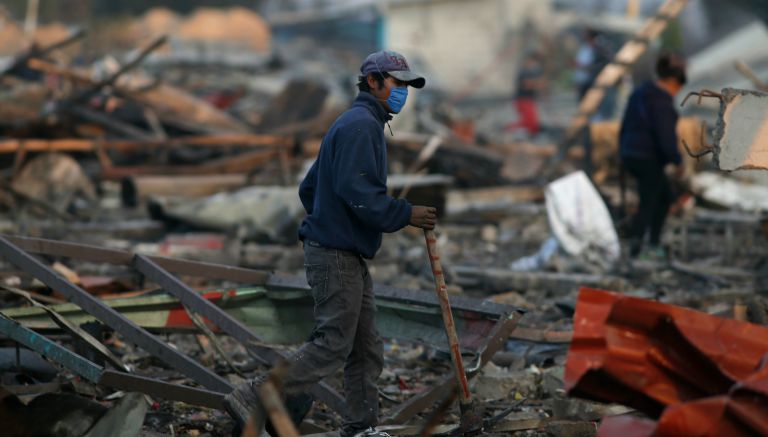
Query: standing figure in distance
(530, 81)
(648, 144)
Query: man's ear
(372, 84)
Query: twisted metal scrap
(705, 148)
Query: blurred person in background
(592, 56)
(590, 59)
(648, 147)
(530, 81)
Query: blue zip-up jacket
(648, 130)
(345, 190)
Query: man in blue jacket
(648, 143)
(345, 196)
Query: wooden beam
(33, 145)
(85, 145)
(218, 140)
(747, 72)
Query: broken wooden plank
(86, 145)
(271, 399)
(758, 83)
(39, 145)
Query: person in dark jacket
(648, 144)
(348, 209)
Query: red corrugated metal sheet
(698, 374)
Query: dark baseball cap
(393, 63)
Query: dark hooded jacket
(648, 130)
(345, 190)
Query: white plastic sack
(580, 220)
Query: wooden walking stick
(471, 419)
(273, 407)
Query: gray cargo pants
(344, 334)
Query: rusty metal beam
(97, 254)
(112, 318)
(161, 389)
(193, 300)
(49, 349)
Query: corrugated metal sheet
(698, 374)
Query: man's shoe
(244, 402)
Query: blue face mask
(397, 98)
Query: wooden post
(465, 397)
(269, 393)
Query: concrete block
(741, 137)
